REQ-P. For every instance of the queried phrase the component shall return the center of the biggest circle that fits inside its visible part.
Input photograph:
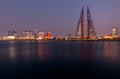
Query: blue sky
(57, 16)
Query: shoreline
(68, 40)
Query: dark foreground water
(60, 59)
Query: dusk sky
(57, 16)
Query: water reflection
(12, 52)
(70, 51)
(19, 52)
(27, 51)
(70, 56)
(111, 51)
(87, 51)
(44, 51)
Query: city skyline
(57, 16)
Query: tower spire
(80, 28)
(88, 22)
(90, 27)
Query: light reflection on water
(43, 51)
(111, 51)
(59, 55)
(12, 52)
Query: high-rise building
(12, 33)
(27, 35)
(48, 35)
(40, 35)
(90, 27)
(114, 32)
(80, 26)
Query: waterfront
(62, 58)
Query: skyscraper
(114, 32)
(80, 28)
(90, 27)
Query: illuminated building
(107, 37)
(91, 34)
(114, 32)
(11, 38)
(12, 35)
(40, 35)
(14, 32)
(27, 35)
(48, 35)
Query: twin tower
(89, 32)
